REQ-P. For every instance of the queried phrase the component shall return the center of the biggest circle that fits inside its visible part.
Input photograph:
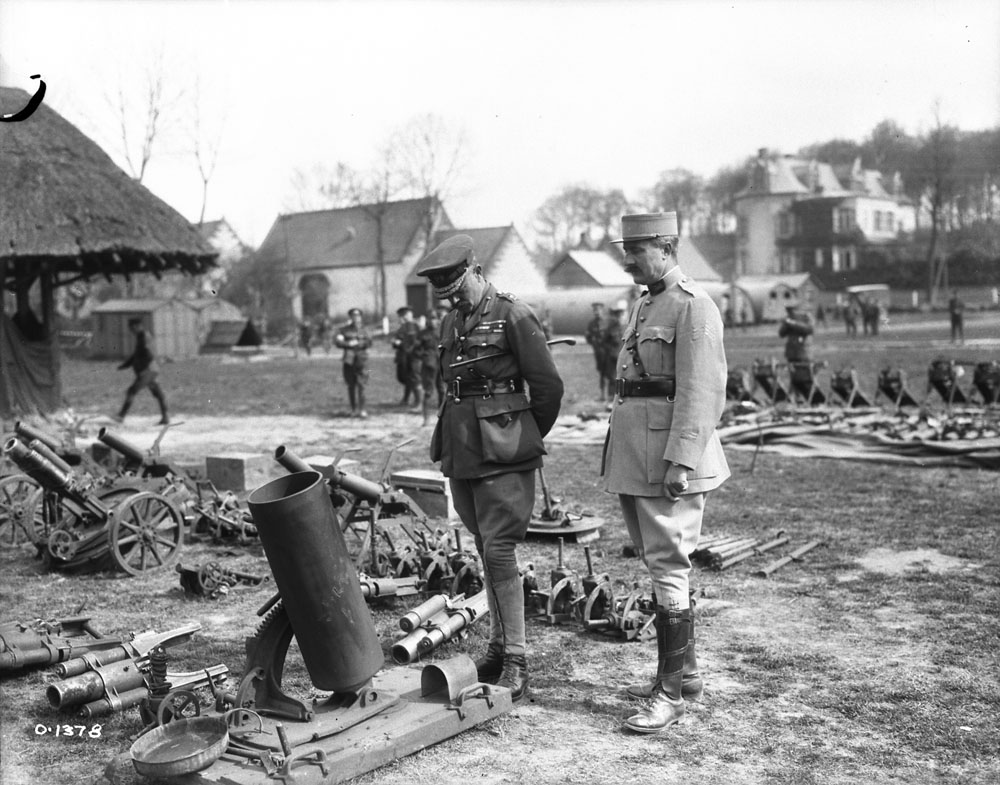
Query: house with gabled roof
(504, 257)
(354, 256)
(805, 216)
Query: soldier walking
(355, 340)
(430, 368)
(142, 361)
(489, 435)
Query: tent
(68, 213)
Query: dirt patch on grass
(890, 562)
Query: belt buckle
(620, 387)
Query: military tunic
(487, 433)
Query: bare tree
(423, 158)
(143, 113)
(206, 141)
(579, 213)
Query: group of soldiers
(604, 334)
(416, 357)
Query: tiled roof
(346, 237)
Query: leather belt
(644, 388)
(462, 388)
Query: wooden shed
(173, 324)
(218, 314)
(68, 213)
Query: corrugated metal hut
(173, 324)
(770, 294)
(68, 213)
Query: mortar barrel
(292, 462)
(357, 485)
(300, 533)
(38, 467)
(120, 445)
(28, 433)
(405, 650)
(49, 454)
(110, 704)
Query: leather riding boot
(692, 686)
(509, 597)
(666, 705)
(489, 667)
(514, 676)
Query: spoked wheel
(178, 705)
(146, 531)
(21, 520)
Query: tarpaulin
(29, 381)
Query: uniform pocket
(659, 415)
(656, 349)
(508, 428)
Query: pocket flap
(665, 334)
(500, 404)
(659, 414)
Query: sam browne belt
(645, 388)
(463, 388)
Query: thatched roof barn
(68, 213)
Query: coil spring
(158, 684)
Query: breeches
(497, 511)
(355, 375)
(665, 533)
(145, 379)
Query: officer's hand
(676, 481)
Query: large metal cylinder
(318, 583)
(27, 432)
(37, 466)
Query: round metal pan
(180, 747)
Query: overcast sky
(548, 93)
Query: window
(818, 258)
(877, 224)
(850, 260)
(786, 224)
(890, 221)
(835, 259)
(843, 219)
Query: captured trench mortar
(372, 717)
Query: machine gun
(94, 527)
(435, 622)
(212, 579)
(630, 617)
(47, 642)
(121, 677)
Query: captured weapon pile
(721, 552)
(99, 675)
(769, 382)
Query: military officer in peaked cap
(662, 455)
(489, 434)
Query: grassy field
(875, 660)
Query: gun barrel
(357, 485)
(121, 445)
(405, 650)
(49, 454)
(292, 462)
(116, 677)
(29, 432)
(36, 465)
(417, 616)
(462, 617)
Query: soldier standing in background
(662, 454)
(143, 362)
(594, 336)
(611, 344)
(956, 311)
(407, 363)
(797, 330)
(489, 435)
(354, 339)
(430, 369)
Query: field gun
(92, 526)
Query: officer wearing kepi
(663, 455)
(489, 434)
